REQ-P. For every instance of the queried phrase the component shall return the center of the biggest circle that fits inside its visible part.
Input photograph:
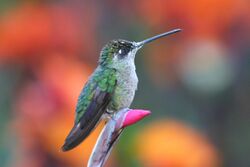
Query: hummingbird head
(121, 53)
(117, 52)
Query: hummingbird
(110, 88)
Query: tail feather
(78, 134)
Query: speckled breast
(125, 91)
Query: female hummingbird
(110, 88)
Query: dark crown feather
(111, 48)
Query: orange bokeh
(46, 121)
(204, 17)
(48, 49)
(174, 144)
(31, 31)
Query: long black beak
(140, 44)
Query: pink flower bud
(133, 116)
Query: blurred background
(196, 83)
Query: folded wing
(92, 103)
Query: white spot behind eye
(120, 51)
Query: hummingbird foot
(110, 116)
(109, 112)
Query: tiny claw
(134, 116)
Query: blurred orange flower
(65, 75)
(204, 17)
(44, 110)
(173, 144)
(32, 30)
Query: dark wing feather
(87, 119)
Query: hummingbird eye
(123, 52)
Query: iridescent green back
(103, 80)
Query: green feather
(108, 52)
(104, 79)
